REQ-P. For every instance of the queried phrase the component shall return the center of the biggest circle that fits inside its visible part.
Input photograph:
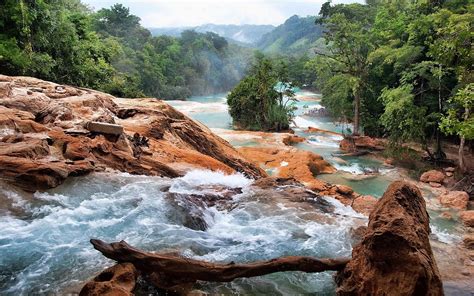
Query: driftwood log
(174, 273)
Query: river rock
(364, 204)
(446, 215)
(293, 139)
(301, 165)
(435, 185)
(353, 143)
(455, 199)
(395, 256)
(468, 241)
(432, 176)
(44, 140)
(467, 217)
(118, 280)
(315, 130)
(344, 189)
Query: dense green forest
(400, 69)
(64, 41)
(296, 36)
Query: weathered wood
(186, 270)
(104, 128)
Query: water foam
(49, 251)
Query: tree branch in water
(163, 268)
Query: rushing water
(44, 237)
(44, 246)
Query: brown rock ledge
(43, 139)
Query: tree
(460, 120)
(404, 120)
(260, 101)
(347, 38)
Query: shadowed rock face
(118, 280)
(44, 140)
(395, 256)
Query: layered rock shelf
(49, 132)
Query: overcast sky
(179, 13)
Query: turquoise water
(214, 119)
(222, 97)
(212, 112)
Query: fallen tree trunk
(168, 271)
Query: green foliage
(298, 35)
(262, 100)
(403, 120)
(459, 119)
(405, 61)
(63, 41)
(52, 40)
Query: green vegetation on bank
(400, 69)
(65, 42)
(263, 99)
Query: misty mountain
(247, 34)
(296, 36)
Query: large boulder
(432, 176)
(50, 132)
(467, 218)
(118, 280)
(454, 199)
(395, 256)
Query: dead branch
(186, 270)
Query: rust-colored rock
(344, 189)
(364, 204)
(446, 215)
(118, 280)
(467, 218)
(435, 185)
(293, 139)
(432, 176)
(353, 143)
(44, 140)
(315, 130)
(304, 166)
(454, 199)
(395, 256)
(468, 241)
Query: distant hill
(297, 35)
(247, 34)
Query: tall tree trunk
(356, 113)
(439, 149)
(462, 165)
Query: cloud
(178, 13)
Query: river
(44, 237)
